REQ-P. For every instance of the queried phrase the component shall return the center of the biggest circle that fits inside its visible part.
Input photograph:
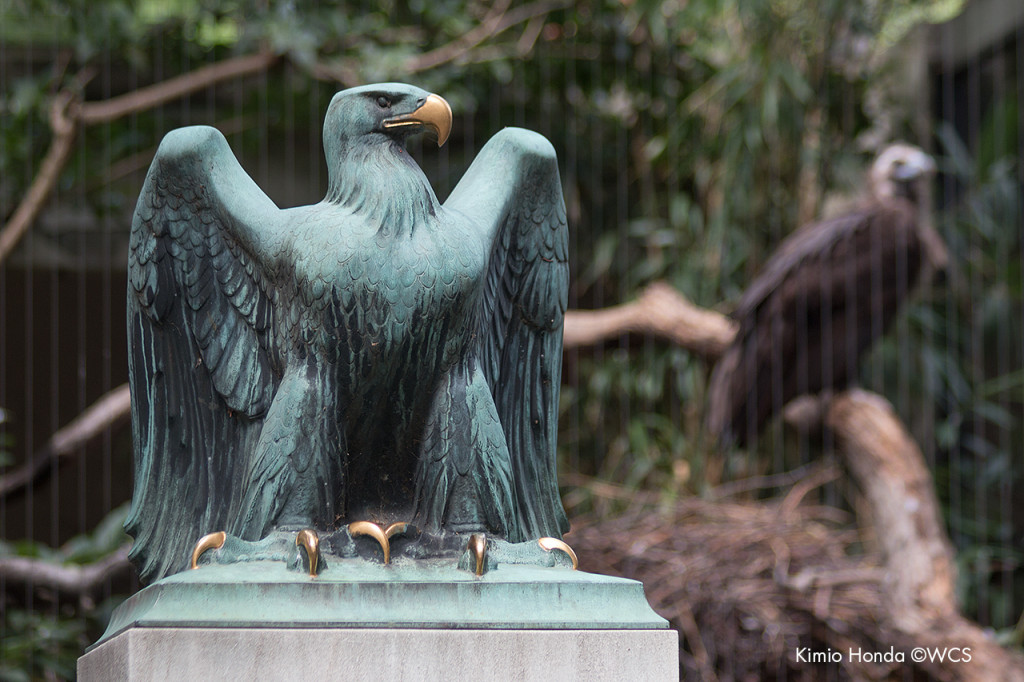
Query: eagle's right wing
(203, 361)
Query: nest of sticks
(752, 587)
(755, 588)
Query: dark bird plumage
(822, 299)
(378, 355)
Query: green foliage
(711, 127)
(40, 644)
(693, 137)
(23, 132)
(103, 540)
(44, 640)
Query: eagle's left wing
(512, 190)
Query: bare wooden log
(108, 411)
(659, 310)
(906, 517)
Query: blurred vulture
(823, 298)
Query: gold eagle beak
(434, 114)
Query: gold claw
(375, 532)
(477, 546)
(396, 529)
(308, 539)
(549, 544)
(210, 541)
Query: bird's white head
(899, 170)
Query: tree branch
(72, 580)
(101, 415)
(66, 113)
(63, 123)
(175, 88)
(659, 310)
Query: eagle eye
(383, 102)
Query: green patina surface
(377, 356)
(407, 594)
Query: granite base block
(382, 654)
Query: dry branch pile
(749, 585)
(779, 590)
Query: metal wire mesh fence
(693, 138)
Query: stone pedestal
(175, 654)
(372, 622)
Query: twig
(780, 480)
(688, 626)
(528, 39)
(606, 490)
(104, 413)
(496, 21)
(800, 490)
(659, 310)
(68, 579)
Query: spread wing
(826, 294)
(200, 335)
(512, 190)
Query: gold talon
(396, 529)
(548, 544)
(477, 546)
(308, 539)
(210, 541)
(375, 532)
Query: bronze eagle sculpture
(823, 298)
(377, 357)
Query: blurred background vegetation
(693, 136)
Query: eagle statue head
(384, 112)
(368, 168)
